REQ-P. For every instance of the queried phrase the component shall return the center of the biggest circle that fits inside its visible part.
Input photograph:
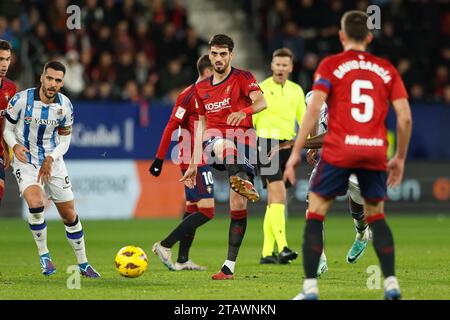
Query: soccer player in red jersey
(7, 91)
(357, 87)
(200, 199)
(225, 103)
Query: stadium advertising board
(122, 189)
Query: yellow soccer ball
(131, 261)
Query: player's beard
(222, 69)
(49, 95)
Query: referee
(276, 124)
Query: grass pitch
(422, 262)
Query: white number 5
(358, 98)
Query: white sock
(230, 264)
(74, 233)
(38, 228)
(310, 286)
(323, 256)
(391, 283)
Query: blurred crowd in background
(136, 50)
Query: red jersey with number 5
(359, 87)
(7, 91)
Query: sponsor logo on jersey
(180, 113)
(366, 142)
(206, 96)
(253, 85)
(60, 111)
(217, 106)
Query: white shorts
(58, 189)
(353, 187)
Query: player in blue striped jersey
(38, 129)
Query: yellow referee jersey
(285, 105)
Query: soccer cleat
(273, 259)
(323, 267)
(188, 265)
(358, 248)
(88, 271)
(222, 276)
(164, 255)
(244, 188)
(287, 255)
(47, 266)
(311, 294)
(393, 294)
(391, 289)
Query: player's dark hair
(221, 41)
(283, 52)
(5, 45)
(203, 63)
(354, 25)
(55, 65)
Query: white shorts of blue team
(58, 189)
(353, 192)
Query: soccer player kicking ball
(200, 199)
(38, 129)
(226, 102)
(357, 86)
(7, 91)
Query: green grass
(422, 262)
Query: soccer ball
(131, 261)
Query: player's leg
(199, 210)
(356, 207)
(268, 254)
(205, 213)
(238, 225)
(75, 236)
(374, 190)
(276, 213)
(226, 152)
(328, 182)
(33, 194)
(34, 198)
(2, 180)
(323, 266)
(59, 190)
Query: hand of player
(45, 171)
(189, 177)
(20, 153)
(311, 156)
(235, 118)
(289, 171)
(156, 167)
(281, 146)
(396, 168)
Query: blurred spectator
(105, 70)
(131, 92)
(125, 71)
(74, 82)
(173, 77)
(447, 95)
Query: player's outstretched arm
(404, 126)
(191, 173)
(156, 166)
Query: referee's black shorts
(272, 170)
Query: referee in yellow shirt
(285, 105)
